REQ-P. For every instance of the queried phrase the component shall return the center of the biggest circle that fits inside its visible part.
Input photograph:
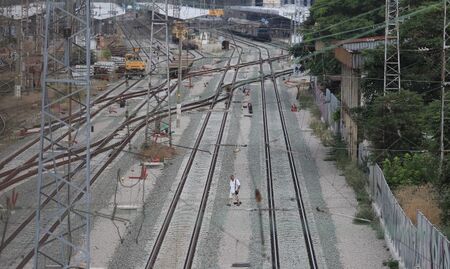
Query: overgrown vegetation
(106, 54)
(391, 263)
(410, 169)
(355, 179)
(353, 175)
(320, 129)
(156, 152)
(403, 127)
(306, 101)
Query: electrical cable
(349, 19)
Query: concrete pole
(180, 71)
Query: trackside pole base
(143, 174)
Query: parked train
(252, 29)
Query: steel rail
(275, 258)
(299, 197)
(9, 239)
(168, 219)
(113, 155)
(269, 178)
(212, 167)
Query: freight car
(252, 29)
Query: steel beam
(62, 235)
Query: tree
(328, 17)
(420, 45)
(392, 123)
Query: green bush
(306, 100)
(336, 115)
(391, 263)
(410, 169)
(378, 229)
(106, 53)
(365, 211)
(445, 206)
(320, 129)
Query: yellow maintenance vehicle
(134, 65)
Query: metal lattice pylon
(159, 26)
(391, 48)
(62, 237)
(445, 83)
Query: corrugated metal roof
(186, 12)
(286, 11)
(358, 46)
(363, 43)
(102, 11)
(350, 59)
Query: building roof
(348, 51)
(100, 10)
(286, 11)
(358, 44)
(15, 11)
(185, 12)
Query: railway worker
(235, 186)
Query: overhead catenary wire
(374, 29)
(349, 19)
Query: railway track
(269, 176)
(273, 232)
(77, 116)
(197, 224)
(170, 213)
(295, 180)
(293, 171)
(101, 146)
(104, 103)
(116, 149)
(104, 145)
(212, 167)
(100, 150)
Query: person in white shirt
(235, 186)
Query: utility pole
(391, 48)
(291, 29)
(21, 32)
(159, 25)
(63, 222)
(445, 82)
(180, 31)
